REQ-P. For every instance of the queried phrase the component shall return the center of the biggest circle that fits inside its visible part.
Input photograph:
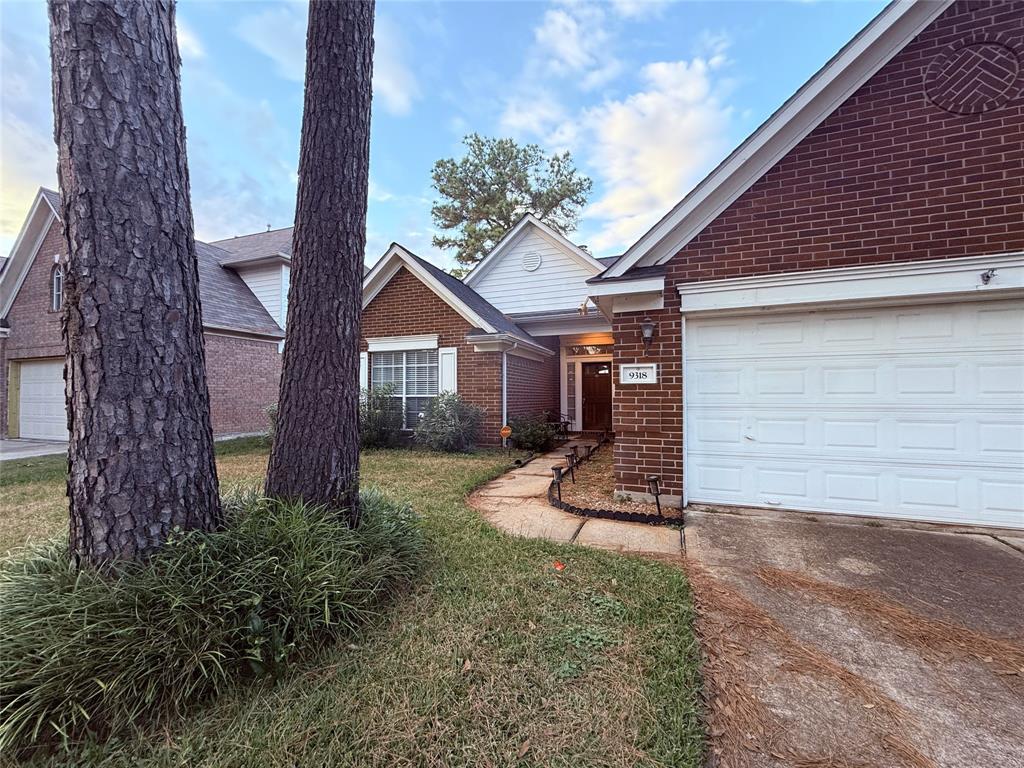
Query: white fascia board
(848, 70)
(591, 323)
(402, 343)
(396, 258)
(902, 281)
(503, 342)
(512, 237)
(25, 250)
(626, 287)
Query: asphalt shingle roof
(258, 245)
(226, 300)
(500, 321)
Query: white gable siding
(559, 282)
(268, 284)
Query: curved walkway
(517, 503)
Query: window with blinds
(412, 374)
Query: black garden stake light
(557, 472)
(654, 485)
(570, 462)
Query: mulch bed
(595, 488)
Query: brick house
(242, 327)
(835, 315)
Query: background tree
(487, 190)
(140, 458)
(316, 449)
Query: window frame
(57, 293)
(404, 397)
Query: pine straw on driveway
(917, 666)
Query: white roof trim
(397, 257)
(872, 48)
(511, 237)
(401, 343)
(23, 254)
(903, 281)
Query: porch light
(654, 486)
(647, 332)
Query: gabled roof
(510, 238)
(227, 302)
(873, 47)
(273, 245)
(476, 310)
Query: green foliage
(271, 412)
(450, 424)
(380, 418)
(86, 652)
(533, 433)
(487, 190)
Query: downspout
(504, 394)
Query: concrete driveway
(840, 641)
(27, 449)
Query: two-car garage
(912, 412)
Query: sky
(647, 95)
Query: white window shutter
(448, 367)
(364, 370)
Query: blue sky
(649, 96)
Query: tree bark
(316, 450)
(140, 459)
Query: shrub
(450, 424)
(380, 419)
(533, 433)
(92, 653)
(271, 412)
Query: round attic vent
(531, 261)
(979, 75)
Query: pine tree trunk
(140, 459)
(316, 450)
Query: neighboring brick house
(835, 313)
(241, 337)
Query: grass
(497, 659)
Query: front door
(597, 396)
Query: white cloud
(280, 35)
(573, 41)
(638, 9)
(394, 82)
(649, 148)
(188, 42)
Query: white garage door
(41, 403)
(913, 412)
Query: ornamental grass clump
(86, 653)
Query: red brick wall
(406, 307)
(242, 374)
(888, 177)
(533, 385)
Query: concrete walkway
(517, 503)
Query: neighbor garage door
(41, 411)
(913, 412)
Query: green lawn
(495, 660)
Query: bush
(90, 653)
(450, 424)
(380, 418)
(271, 412)
(533, 433)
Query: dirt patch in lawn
(595, 488)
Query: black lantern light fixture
(647, 328)
(556, 471)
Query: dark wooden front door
(597, 396)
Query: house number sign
(638, 373)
